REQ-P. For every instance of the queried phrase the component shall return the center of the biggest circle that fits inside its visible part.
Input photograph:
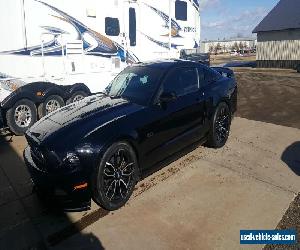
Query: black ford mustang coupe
(100, 146)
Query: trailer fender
(15, 96)
(79, 87)
(37, 92)
(54, 90)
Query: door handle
(150, 134)
(199, 99)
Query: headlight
(85, 150)
(72, 160)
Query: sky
(232, 18)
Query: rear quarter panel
(223, 90)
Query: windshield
(138, 84)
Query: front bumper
(59, 188)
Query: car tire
(77, 96)
(115, 177)
(21, 116)
(220, 126)
(51, 104)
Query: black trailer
(32, 101)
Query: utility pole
(24, 23)
(170, 27)
(199, 22)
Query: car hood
(97, 109)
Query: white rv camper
(59, 43)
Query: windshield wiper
(120, 96)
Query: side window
(182, 81)
(181, 10)
(112, 26)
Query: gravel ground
(291, 219)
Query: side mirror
(167, 97)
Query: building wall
(226, 45)
(279, 49)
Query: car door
(175, 124)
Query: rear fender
(226, 72)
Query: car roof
(167, 64)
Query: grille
(36, 153)
(38, 158)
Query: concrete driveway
(199, 201)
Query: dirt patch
(166, 173)
(220, 59)
(269, 96)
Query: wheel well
(134, 148)
(129, 140)
(226, 101)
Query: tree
(224, 48)
(241, 46)
(235, 46)
(218, 48)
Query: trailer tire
(77, 96)
(21, 116)
(51, 104)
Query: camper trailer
(54, 52)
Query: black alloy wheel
(116, 176)
(220, 127)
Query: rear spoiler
(224, 71)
